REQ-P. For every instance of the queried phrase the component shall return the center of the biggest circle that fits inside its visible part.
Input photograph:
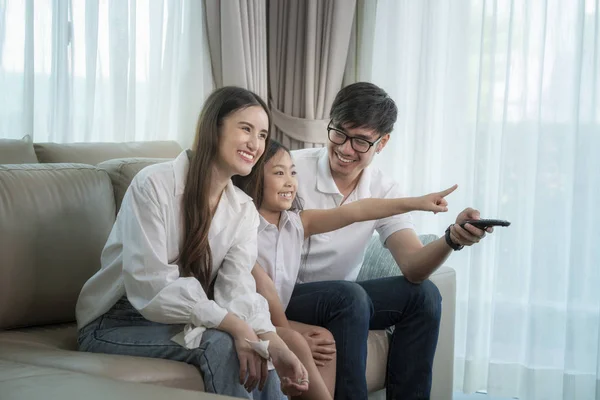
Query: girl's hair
(254, 183)
(195, 258)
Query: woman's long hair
(195, 258)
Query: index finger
(243, 368)
(473, 230)
(446, 192)
(263, 375)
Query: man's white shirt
(338, 255)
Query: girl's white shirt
(280, 252)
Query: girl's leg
(317, 390)
(328, 370)
(122, 330)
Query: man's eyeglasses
(339, 137)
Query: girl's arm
(266, 287)
(320, 221)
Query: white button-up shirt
(140, 254)
(338, 255)
(280, 252)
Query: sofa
(57, 205)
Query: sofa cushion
(377, 353)
(18, 151)
(55, 221)
(122, 171)
(379, 262)
(56, 347)
(95, 153)
(19, 381)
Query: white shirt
(338, 255)
(138, 259)
(280, 252)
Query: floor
(476, 396)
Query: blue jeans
(350, 309)
(122, 330)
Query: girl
(177, 265)
(282, 231)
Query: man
(362, 117)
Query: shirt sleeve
(235, 288)
(153, 285)
(386, 226)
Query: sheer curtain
(102, 70)
(503, 98)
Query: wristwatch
(449, 241)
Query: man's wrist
(454, 246)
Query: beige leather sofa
(57, 205)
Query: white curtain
(503, 98)
(102, 70)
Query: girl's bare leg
(317, 390)
(329, 369)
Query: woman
(175, 279)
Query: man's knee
(431, 300)
(352, 299)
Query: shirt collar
(283, 221)
(326, 184)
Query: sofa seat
(20, 381)
(55, 346)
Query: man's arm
(418, 262)
(266, 288)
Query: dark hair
(253, 184)
(195, 258)
(364, 105)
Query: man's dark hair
(364, 105)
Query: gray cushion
(379, 262)
(95, 153)
(122, 171)
(55, 219)
(19, 151)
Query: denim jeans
(350, 309)
(122, 330)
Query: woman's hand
(253, 368)
(293, 375)
(435, 202)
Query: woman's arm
(266, 287)
(152, 284)
(320, 221)
(235, 287)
